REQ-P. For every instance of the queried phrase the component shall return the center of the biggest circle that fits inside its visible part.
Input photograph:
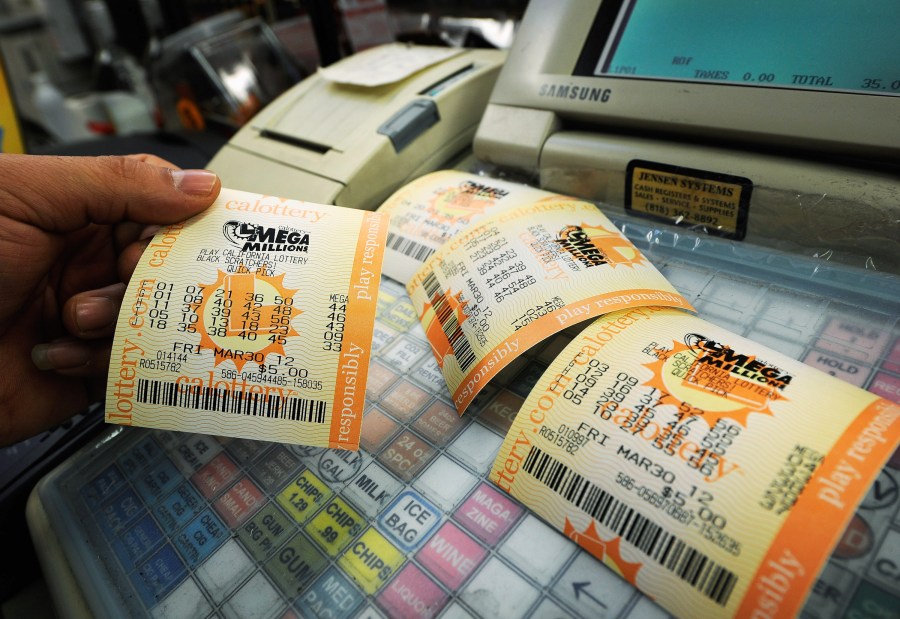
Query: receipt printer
(352, 145)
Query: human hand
(71, 232)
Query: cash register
(782, 120)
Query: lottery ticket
(515, 278)
(253, 319)
(430, 210)
(712, 473)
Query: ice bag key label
(409, 520)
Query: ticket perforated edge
(714, 474)
(252, 319)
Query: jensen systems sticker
(719, 203)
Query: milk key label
(253, 319)
(517, 277)
(714, 474)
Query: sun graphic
(245, 316)
(708, 382)
(615, 249)
(608, 551)
(455, 204)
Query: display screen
(833, 45)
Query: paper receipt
(253, 319)
(515, 278)
(714, 474)
(433, 208)
(386, 64)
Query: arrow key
(592, 589)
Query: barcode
(227, 401)
(446, 314)
(408, 247)
(688, 563)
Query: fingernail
(149, 231)
(194, 182)
(94, 313)
(60, 355)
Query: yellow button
(371, 560)
(385, 300)
(302, 498)
(335, 526)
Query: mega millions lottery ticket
(432, 209)
(515, 278)
(714, 474)
(253, 319)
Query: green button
(295, 564)
(263, 533)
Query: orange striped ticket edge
(542, 328)
(359, 325)
(821, 514)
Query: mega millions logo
(244, 316)
(608, 551)
(593, 245)
(251, 237)
(717, 379)
(464, 201)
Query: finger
(97, 366)
(93, 314)
(126, 232)
(129, 258)
(73, 357)
(61, 194)
(153, 159)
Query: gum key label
(712, 473)
(517, 277)
(430, 210)
(253, 319)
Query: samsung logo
(570, 91)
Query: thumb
(61, 194)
